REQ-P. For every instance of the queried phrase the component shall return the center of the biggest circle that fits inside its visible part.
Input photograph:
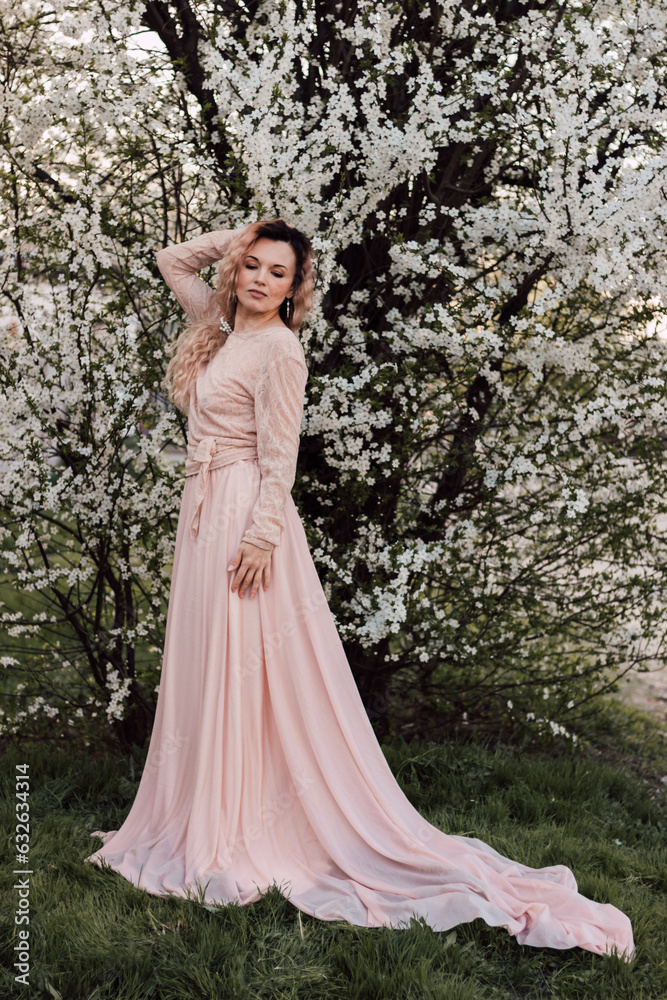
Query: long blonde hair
(199, 341)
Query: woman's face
(265, 276)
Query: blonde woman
(263, 767)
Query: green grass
(95, 936)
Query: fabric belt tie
(210, 454)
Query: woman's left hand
(251, 563)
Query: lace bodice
(249, 397)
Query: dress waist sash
(211, 454)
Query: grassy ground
(599, 810)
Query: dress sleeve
(180, 262)
(279, 394)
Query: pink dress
(263, 767)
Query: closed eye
(276, 274)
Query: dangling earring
(289, 307)
(224, 326)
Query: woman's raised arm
(180, 262)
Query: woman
(263, 766)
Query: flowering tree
(482, 462)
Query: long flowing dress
(263, 767)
